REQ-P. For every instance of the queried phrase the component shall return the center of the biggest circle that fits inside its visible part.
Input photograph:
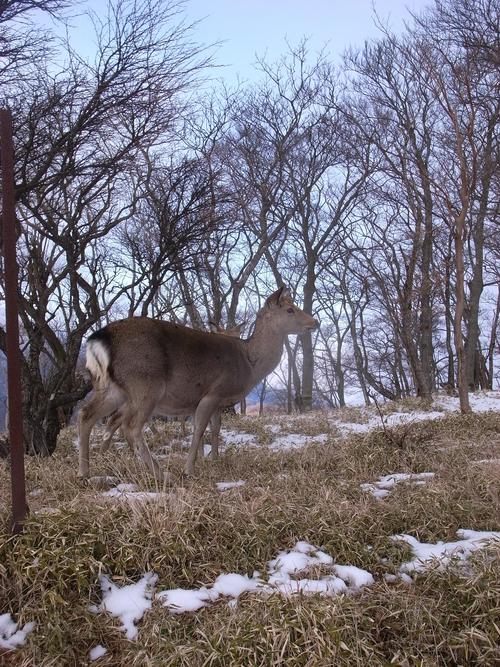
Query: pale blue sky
(250, 27)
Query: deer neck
(264, 347)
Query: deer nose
(313, 326)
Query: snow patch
(281, 579)
(129, 492)
(233, 585)
(480, 402)
(237, 438)
(301, 558)
(384, 485)
(97, 652)
(427, 554)
(354, 576)
(296, 441)
(128, 603)
(10, 636)
(182, 600)
(224, 486)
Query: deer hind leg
(101, 404)
(215, 424)
(202, 416)
(112, 425)
(132, 427)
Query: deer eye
(290, 310)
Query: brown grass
(50, 573)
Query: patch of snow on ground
(233, 585)
(236, 438)
(129, 492)
(480, 402)
(443, 552)
(128, 603)
(182, 600)
(97, 652)
(394, 419)
(224, 486)
(10, 636)
(301, 558)
(384, 485)
(46, 510)
(401, 576)
(354, 576)
(296, 441)
(281, 572)
(487, 461)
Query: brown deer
(143, 366)
(115, 420)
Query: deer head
(285, 315)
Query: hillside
(315, 540)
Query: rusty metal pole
(12, 326)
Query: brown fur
(159, 367)
(115, 420)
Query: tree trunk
(292, 354)
(408, 339)
(488, 166)
(475, 290)
(307, 346)
(492, 343)
(358, 355)
(448, 318)
(307, 372)
(463, 389)
(426, 346)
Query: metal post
(12, 327)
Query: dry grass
(49, 573)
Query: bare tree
(79, 134)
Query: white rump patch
(97, 362)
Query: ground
(311, 480)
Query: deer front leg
(204, 412)
(132, 427)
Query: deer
(143, 366)
(115, 420)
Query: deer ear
(213, 327)
(276, 297)
(285, 294)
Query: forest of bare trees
(371, 188)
